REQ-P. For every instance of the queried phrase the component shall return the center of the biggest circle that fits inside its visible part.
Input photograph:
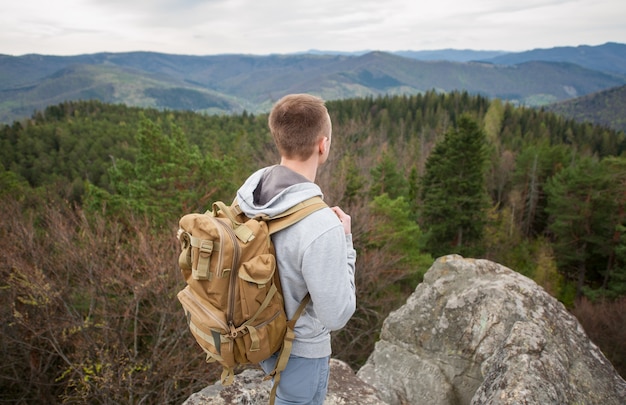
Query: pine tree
(615, 276)
(616, 279)
(453, 191)
(386, 178)
(354, 181)
(581, 208)
(413, 192)
(168, 178)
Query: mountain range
(233, 83)
(607, 108)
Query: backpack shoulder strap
(295, 214)
(289, 217)
(285, 351)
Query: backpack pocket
(262, 307)
(265, 338)
(208, 326)
(255, 281)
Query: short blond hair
(297, 122)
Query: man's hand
(344, 218)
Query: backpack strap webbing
(285, 351)
(284, 219)
(295, 214)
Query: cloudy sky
(206, 27)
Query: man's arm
(328, 270)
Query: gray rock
(475, 332)
(247, 389)
(344, 388)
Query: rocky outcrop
(249, 388)
(475, 332)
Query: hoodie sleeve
(328, 269)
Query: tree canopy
(91, 194)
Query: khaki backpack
(233, 299)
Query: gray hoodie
(313, 255)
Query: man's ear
(322, 145)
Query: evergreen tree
(453, 191)
(169, 177)
(386, 178)
(354, 182)
(413, 192)
(581, 207)
(613, 248)
(533, 167)
(616, 279)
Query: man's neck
(307, 168)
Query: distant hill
(226, 84)
(110, 84)
(610, 57)
(453, 55)
(606, 108)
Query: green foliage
(546, 273)
(11, 184)
(616, 280)
(582, 210)
(504, 243)
(168, 176)
(354, 182)
(413, 193)
(398, 234)
(453, 191)
(75, 142)
(534, 166)
(72, 148)
(614, 285)
(568, 294)
(386, 177)
(126, 175)
(493, 121)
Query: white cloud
(280, 26)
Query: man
(315, 255)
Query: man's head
(299, 124)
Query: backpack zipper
(264, 323)
(189, 294)
(233, 276)
(257, 326)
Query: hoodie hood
(273, 190)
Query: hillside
(604, 108)
(110, 84)
(610, 57)
(233, 83)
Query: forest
(91, 194)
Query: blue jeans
(304, 381)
